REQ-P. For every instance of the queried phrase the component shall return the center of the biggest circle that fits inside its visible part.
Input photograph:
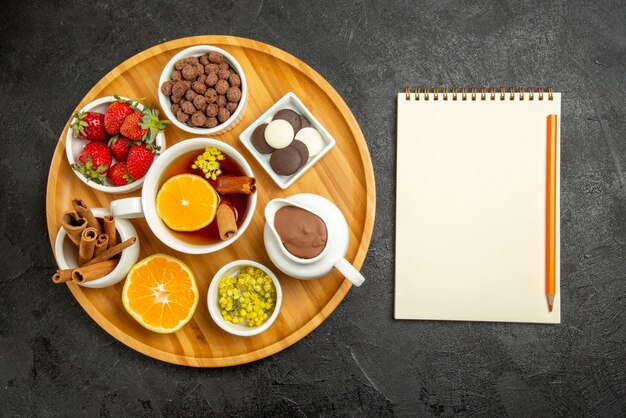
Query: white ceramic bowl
(66, 253)
(145, 206)
(288, 101)
(213, 304)
(73, 147)
(198, 51)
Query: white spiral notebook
(471, 205)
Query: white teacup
(145, 206)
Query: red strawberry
(118, 175)
(94, 161)
(143, 125)
(119, 147)
(139, 161)
(116, 113)
(89, 126)
(131, 126)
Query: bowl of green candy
(244, 298)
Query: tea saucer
(336, 249)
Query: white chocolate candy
(312, 139)
(279, 134)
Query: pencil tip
(550, 307)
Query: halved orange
(186, 202)
(160, 293)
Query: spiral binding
(480, 94)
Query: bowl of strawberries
(112, 143)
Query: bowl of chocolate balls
(203, 90)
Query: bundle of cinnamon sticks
(97, 244)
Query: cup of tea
(308, 237)
(239, 199)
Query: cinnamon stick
(95, 271)
(87, 245)
(226, 219)
(73, 225)
(84, 212)
(102, 242)
(235, 185)
(109, 229)
(111, 252)
(62, 276)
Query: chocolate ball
(223, 114)
(175, 98)
(175, 107)
(234, 80)
(211, 110)
(198, 87)
(166, 88)
(211, 79)
(190, 94)
(176, 76)
(215, 57)
(198, 119)
(192, 60)
(199, 69)
(201, 78)
(179, 89)
(211, 95)
(231, 106)
(221, 101)
(221, 87)
(182, 116)
(223, 74)
(211, 68)
(211, 122)
(233, 94)
(187, 107)
(204, 60)
(189, 72)
(181, 63)
(186, 83)
(200, 102)
(224, 65)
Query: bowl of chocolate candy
(203, 90)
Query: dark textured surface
(55, 361)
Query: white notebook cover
(471, 209)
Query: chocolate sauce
(302, 233)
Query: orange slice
(160, 293)
(186, 202)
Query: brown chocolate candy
(223, 114)
(258, 140)
(211, 68)
(199, 87)
(286, 161)
(305, 122)
(302, 149)
(190, 94)
(204, 60)
(176, 76)
(290, 116)
(189, 72)
(234, 80)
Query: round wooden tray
(344, 176)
